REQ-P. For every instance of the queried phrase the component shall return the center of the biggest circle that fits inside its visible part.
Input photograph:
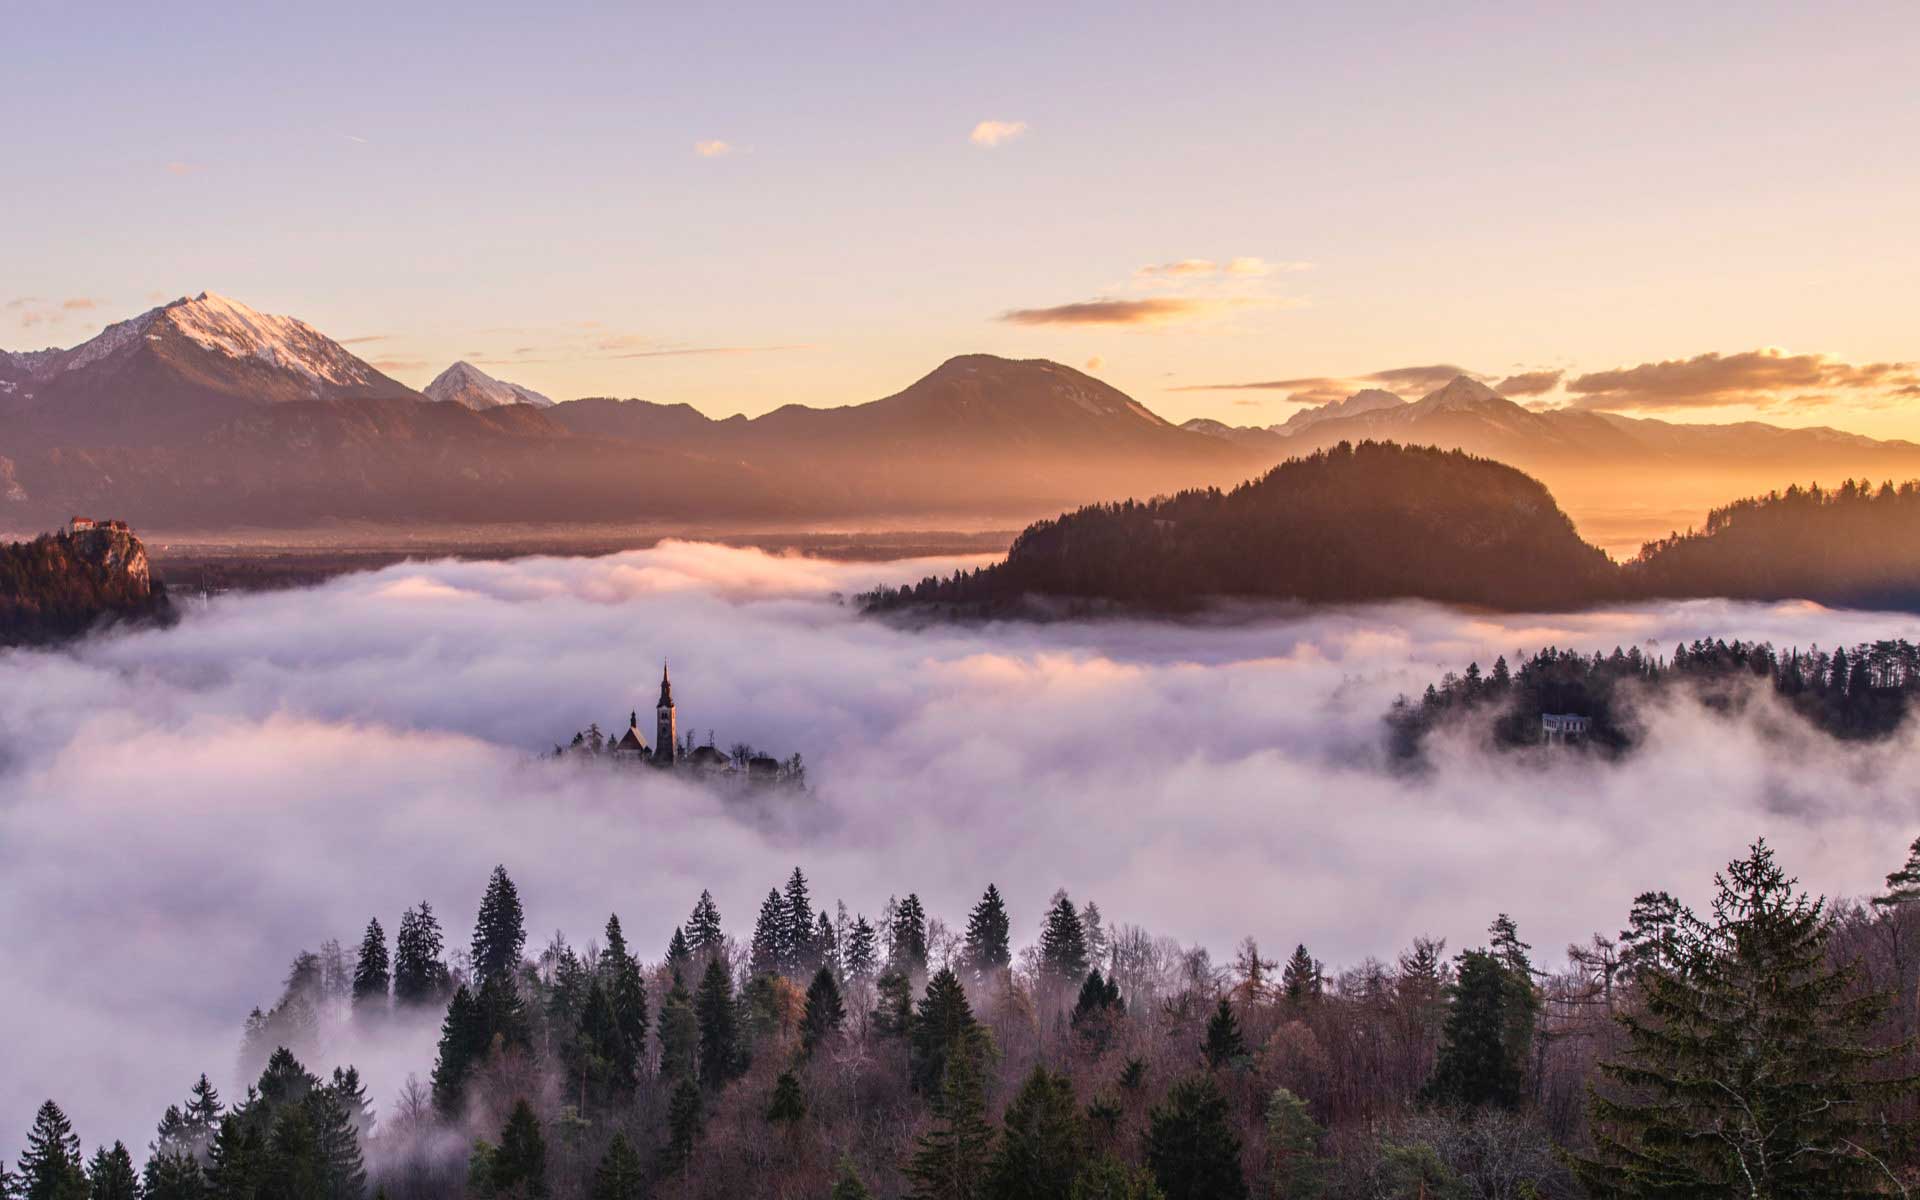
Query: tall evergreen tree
(519, 1167)
(686, 1116)
(788, 1105)
(51, 1167)
(1298, 1170)
(420, 976)
(202, 1112)
(292, 1168)
(1063, 942)
(824, 1014)
(989, 948)
(111, 1176)
(863, 950)
(627, 996)
(950, 1161)
(1191, 1146)
(1042, 1144)
(499, 932)
(704, 936)
(1903, 886)
(173, 1175)
(679, 1034)
(236, 1161)
(826, 943)
(1300, 978)
(720, 1051)
(620, 1175)
(942, 1026)
(1477, 1064)
(907, 947)
(679, 953)
(1752, 1069)
(768, 954)
(1095, 1011)
(463, 1045)
(372, 973)
(1224, 1046)
(801, 954)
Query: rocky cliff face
(118, 556)
(62, 585)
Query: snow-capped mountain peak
(464, 383)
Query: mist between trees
(1760, 1047)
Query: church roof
(631, 741)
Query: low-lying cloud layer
(182, 810)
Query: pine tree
(1224, 1047)
(1063, 942)
(1751, 1069)
(110, 1176)
(463, 1044)
(719, 1032)
(371, 972)
(420, 978)
(1298, 1170)
(788, 1105)
(1648, 943)
(499, 932)
(519, 1166)
(863, 950)
(627, 996)
(351, 1095)
(51, 1167)
(1191, 1146)
(988, 946)
(679, 953)
(942, 1026)
(292, 1168)
(621, 1175)
(907, 949)
(950, 1160)
(1042, 1143)
(826, 943)
(768, 954)
(679, 1034)
(1477, 1064)
(173, 1175)
(1300, 978)
(704, 936)
(825, 1012)
(1903, 886)
(893, 1004)
(685, 1118)
(236, 1160)
(802, 955)
(337, 1142)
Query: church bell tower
(666, 743)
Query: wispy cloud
(1529, 383)
(1157, 310)
(1246, 267)
(355, 138)
(29, 311)
(364, 338)
(1768, 377)
(399, 364)
(993, 133)
(713, 148)
(1321, 389)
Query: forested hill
(59, 585)
(1375, 521)
(1855, 545)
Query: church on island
(741, 764)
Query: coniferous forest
(1380, 521)
(60, 585)
(1760, 1046)
(1858, 693)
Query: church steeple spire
(666, 686)
(665, 734)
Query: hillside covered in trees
(1380, 521)
(1858, 693)
(827, 1055)
(60, 585)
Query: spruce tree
(336, 1135)
(788, 1105)
(1224, 1046)
(907, 948)
(621, 1175)
(847, 1184)
(499, 931)
(1191, 1146)
(1903, 886)
(463, 1045)
(420, 977)
(236, 1160)
(173, 1175)
(202, 1112)
(1043, 1142)
(893, 1004)
(801, 954)
(1095, 1011)
(51, 1167)
(1298, 1170)
(627, 995)
(1751, 1067)
(863, 950)
(292, 1168)
(950, 1160)
(704, 935)
(1105, 1177)
(519, 1167)
(768, 953)
(1063, 942)
(685, 1118)
(720, 1054)
(110, 1176)
(1300, 978)
(989, 948)
(825, 1012)
(942, 1027)
(1477, 1064)
(372, 974)
(679, 1034)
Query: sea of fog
(181, 811)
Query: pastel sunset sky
(1692, 211)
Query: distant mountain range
(204, 414)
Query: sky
(740, 206)
(282, 766)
